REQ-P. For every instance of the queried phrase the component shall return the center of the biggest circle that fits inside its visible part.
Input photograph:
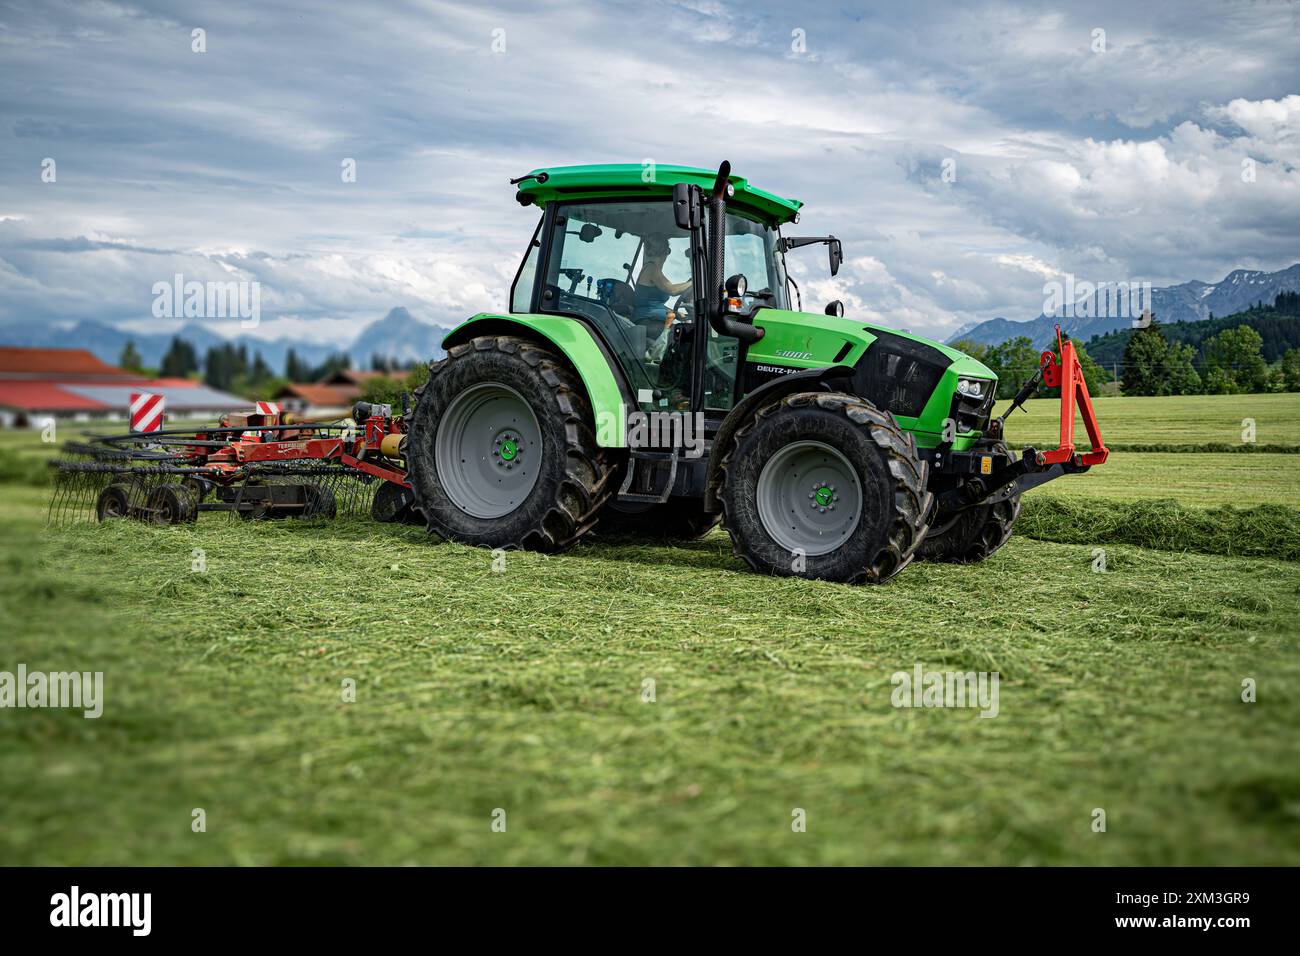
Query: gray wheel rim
(488, 450)
(809, 498)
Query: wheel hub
(488, 450)
(809, 498)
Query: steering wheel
(682, 306)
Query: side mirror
(835, 307)
(836, 255)
(686, 206)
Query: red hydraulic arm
(1067, 373)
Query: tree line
(1257, 350)
(231, 368)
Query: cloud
(228, 162)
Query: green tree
(388, 389)
(130, 358)
(1237, 353)
(1291, 370)
(295, 369)
(334, 363)
(1217, 382)
(180, 360)
(224, 365)
(1181, 377)
(1012, 361)
(1145, 362)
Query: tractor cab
(610, 252)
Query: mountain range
(398, 335)
(1188, 302)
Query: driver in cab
(650, 297)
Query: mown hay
(1271, 531)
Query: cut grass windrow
(1268, 531)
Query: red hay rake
(262, 465)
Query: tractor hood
(814, 340)
(914, 378)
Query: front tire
(825, 485)
(971, 535)
(502, 449)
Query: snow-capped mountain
(1188, 302)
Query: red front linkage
(1067, 374)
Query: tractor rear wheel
(502, 448)
(825, 485)
(678, 519)
(971, 535)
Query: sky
(966, 153)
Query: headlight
(970, 386)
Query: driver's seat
(616, 295)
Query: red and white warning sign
(262, 408)
(146, 412)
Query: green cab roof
(628, 179)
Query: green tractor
(653, 376)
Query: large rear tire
(825, 485)
(502, 448)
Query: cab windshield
(751, 251)
(626, 267)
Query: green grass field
(1172, 420)
(523, 689)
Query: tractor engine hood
(914, 378)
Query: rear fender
(609, 395)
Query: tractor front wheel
(825, 485)
(502, 448)
(972, 535)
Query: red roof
(322, 396)
(74, 363)
(44, 397)
(173, 382)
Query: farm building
(332, 396)
(74, 385)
